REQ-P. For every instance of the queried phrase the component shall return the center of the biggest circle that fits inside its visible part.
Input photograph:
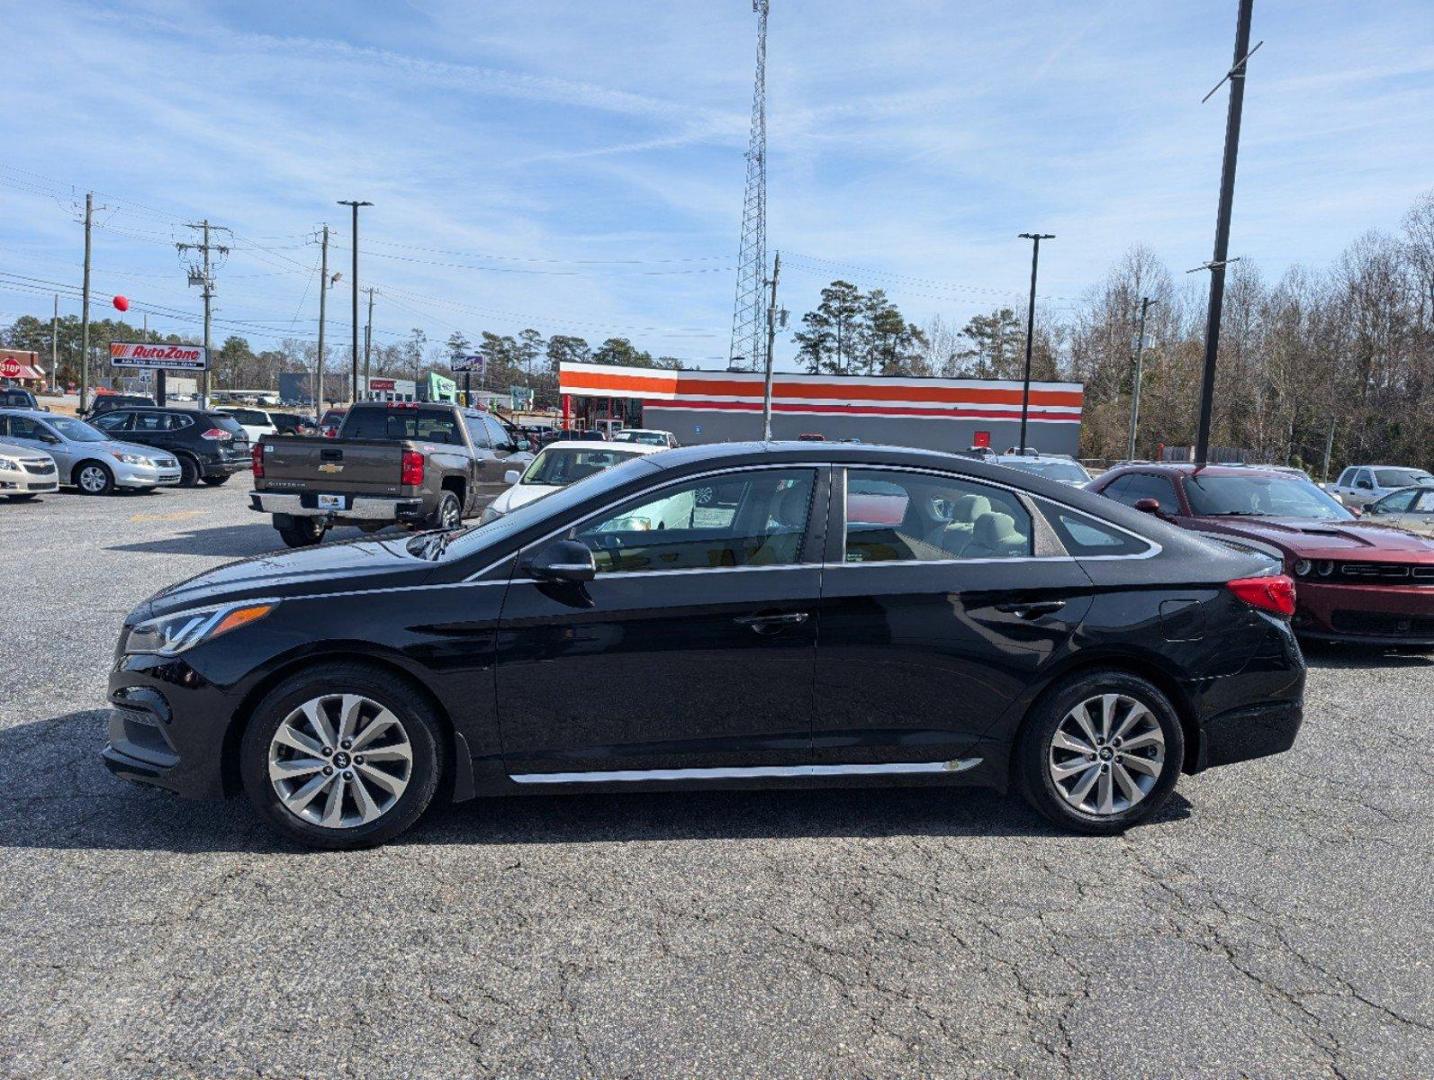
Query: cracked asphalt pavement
(1275, 921)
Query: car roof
(1064, 459)
(1185, 468)
(619, 448)
(643, 431)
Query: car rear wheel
(93, 478)
(216, 481)
(342, 756)
(302, 532)
(1100, 753)
(448, 514)
(188, 472)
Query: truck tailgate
(352, 466)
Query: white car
(1361, 485)
(255, 422)
(558, 465)
(25, 473)
(1056, 467)
(662, 440)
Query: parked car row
(85, 457)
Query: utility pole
(85, 309)
(1035, 239)
(354, 363)
(368, 339)
(1236, 77)
(771, 340)
(323, 306)
(55, 346)
(203, 276)
(1135, 389)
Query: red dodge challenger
(1356, 581)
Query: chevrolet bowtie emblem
(328, 467)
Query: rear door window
(896, 516)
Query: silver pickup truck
(423, 465)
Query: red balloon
(122, 303)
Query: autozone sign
(136, 354)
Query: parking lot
(1275, 920)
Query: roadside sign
(473, 362)
(137, 354)
(981, 439)
(10, 368)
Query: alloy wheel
(452, 515)
(1106, 754)
(340, 761)
(93, 479)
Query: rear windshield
(249, 416)
(427, 425)
(565, 465)
(1401, 477)
(224, 422)
(1052, 470)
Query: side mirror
(511, 477)
(563, 560)
(1149, 506)
(1357, 511)
(46, 437)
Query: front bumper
(167, 726)
(1365, 614)
(145, 476)
(356, 508)
(28, 483)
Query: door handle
(770, 624)
(1032, 610)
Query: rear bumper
(359, 508)
(1366, 614)
(222, 467)
(1252, 732)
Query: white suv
(1360, 485)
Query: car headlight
(490, 513)
(1302, 567)
(1326, 568)
(13, 464)
(170, 635)
(130, 459)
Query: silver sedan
(87, 458)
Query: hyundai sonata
(752, 614)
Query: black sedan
(720, 616)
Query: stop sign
(10, 368)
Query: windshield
(1052, 470)
(456, 545)
(77, 430)
(1401, 477)
(558, 467)
(647, 438)
(1262, 496)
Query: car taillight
(331, 433)
(1275, 594)
(215, 434)
(256, 455)
(412, 474)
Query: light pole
(1035, 239)
(1145, 303)
(354, 364)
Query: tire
(23, 498)
(1149, 734)
(188, 471)
(304, 532)
(448, 514)
(216, 481)
(329, 689)
(94, 478)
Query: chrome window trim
(752, 772)
(1154, 547)
(647, 491)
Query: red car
(1356, 581)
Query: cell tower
(749, 311)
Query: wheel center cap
(341, 760)
(1106, 753)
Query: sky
(577, 165)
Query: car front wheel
(1100, 753)
(342, 756)
(92, 478)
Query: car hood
(327, 568)
(1365, 541)
(521, 495)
